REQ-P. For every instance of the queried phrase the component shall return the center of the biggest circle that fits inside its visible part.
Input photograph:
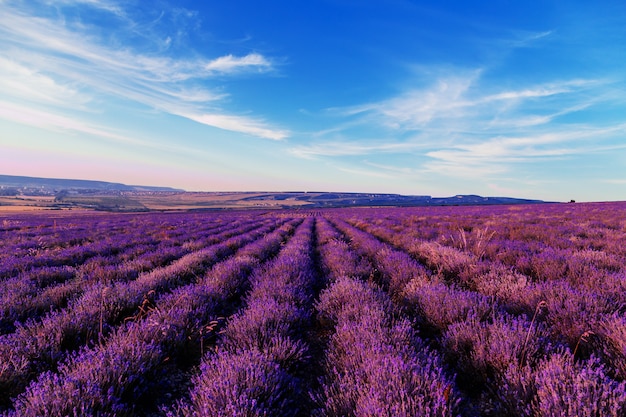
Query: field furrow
(259, 368)
(38, 346)
(138, 361)
(443, 311)
(375, 363)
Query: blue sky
(522, 99)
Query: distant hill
(51, 186)
(58, 194)
(325, 199)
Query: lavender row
(597, 227)
(38, 346)
(375, 364)
(38, 290)
(395, 268)
(484, 343)
(73, 244)
(337, 259)
(123, 374)
(259, 368)
(562, 245)
(136, 251)
(511, 305)
(507, 366)
(81, 238)
(34, 293)
(423, 294)
(29, 297)
(568, 311)
(476, 287)
(446, 263)
(115, 246)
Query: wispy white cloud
(230, 63)
(341, 148)
(24, 83)
(239, 124)
(106, 5)
(524, 39)
(523, 121)
(58, 122)
(540, 91)
(460, 98)
(61, 123)
(53, 63)
(499, 154)
(417, 107)
(463, 125)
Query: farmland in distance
(435, 311)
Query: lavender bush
(500, 310)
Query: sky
(500, 98)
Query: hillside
(50, 186)
(49, 193)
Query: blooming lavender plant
(266, 334)
(422, 311)
(117, 374)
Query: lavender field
(427, 311)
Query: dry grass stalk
(583, 338)
(542, 304)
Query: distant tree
(61, 195)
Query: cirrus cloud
(58, 63)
